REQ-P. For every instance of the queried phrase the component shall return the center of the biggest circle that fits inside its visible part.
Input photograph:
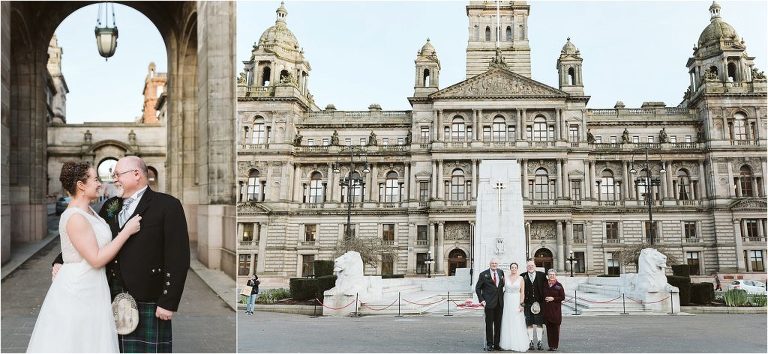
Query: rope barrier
(381, 309)
(416, 303)
(468, 305)
(653, 302)
(600, 302)
(334, 308)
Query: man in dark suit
(490, 293)
(152, 266)
(534, 289)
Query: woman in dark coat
(554, 294)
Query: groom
(152, 265)
(490, 293)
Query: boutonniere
(113, 207)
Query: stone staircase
(600, 299)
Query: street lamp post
(650, 181)
(570, 260)
(429, 262)
(352, 179)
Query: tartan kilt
(152, 335)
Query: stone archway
(200, 155)
(456, 259)
(543, 258)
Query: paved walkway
(279, 332)
(204, 323)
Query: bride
(76, 315)
(513, 330)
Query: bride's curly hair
(71, 173)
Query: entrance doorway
(456, 259)
(543, 258)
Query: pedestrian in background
(254, 284)
(717, 283)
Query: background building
(587, 182)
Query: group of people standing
(517, 306)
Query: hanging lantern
(106, 36)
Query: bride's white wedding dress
(513, 331)
(76, 315)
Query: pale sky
(364, 52)
(112, 90)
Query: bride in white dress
(76, 315)
(513, 330)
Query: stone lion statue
(348, 269)
(650, 272)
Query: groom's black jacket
(153, 263)
(487, 290)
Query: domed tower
(502, 24)
(277, 58)
(719, 55)
(569, 69)
(427, 71)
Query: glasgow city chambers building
(592, 179)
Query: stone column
(564, 180)
(439, 132)
(263, 235)
(523, 126)
(478, 123)
(524, 186)
(731, 189)
(439, 266)
(739, 245)
(475, 178)
(434, 179)
(568, 239)
(411, 261)
(592, 187)
(528, 238)
(765, 176)
(408, 183)
(440, 186)
(431, 241)
(558, 130)
(519, 127)
(373, 185)
(669, 175)
(560, 247)
(627, 181)
(702, 181)
(331, 197)
(297, 188)
(559, 180)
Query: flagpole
(498, 25)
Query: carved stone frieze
(383, 170)
(498, 82)
(244, 167)
(534, 165)
(543, 230)
(456, 231)
(749, 204)
(449, 166)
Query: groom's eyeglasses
(116, 175)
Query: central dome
(717, 30)
(279, 34)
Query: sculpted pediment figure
(498, 82)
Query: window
(384, 141)
(425, 135)
(311, 142)
(363, 141)
(756, 261)
(612, 232)
(688, 139)
(672, 139)
(511, 135)
(635, 139)
(598, 139)
(607, 186)
(486, 133)
(541, 185)
(326, 141)
(254, 186)
(487, 33)
(693, 262)
(745, 181)
(689, 230)
(579, 265)
(422, 233)
(613, 263)
(613, 139)
(650, 139)
(499, 129)
(750, 230)
(648, 231)
(310, 232)
(357, 189)
(424, 191)
(540, 129)
(683, 185)
(391, 188)
(642, 185)
(573, 133)
(509, 34)
(316, 194)
(258, 135)
(388, 232)
(739, 127)
(244, 264)
(307, 266)
(351, 231)
(421, 265)
(387, 266)
(578, 233)
(400, 141)
(576, 190)
(247, 232)
(457, 185)
(457, 129)
(348, 141)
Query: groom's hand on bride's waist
(482, 303)
(54, 270)
(163, 314)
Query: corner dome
(427, 50)
(279, 34)
(569, 48)
(717, 30)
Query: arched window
(541, 185)
(683, 185)
(540, 129)
(571, 76)
(266, 73)
(427, 78)
(457, 129)
(499, 129)
(356, 189)
(457, 184)
(642, 184)
(607, 186)
(731, 72)
(284, 75)
(745, 181)
(391, 188)
(487, 33)
(739, 127)
(254, 186)
(509, 34)
(106, 168)
(713, 70)
(258, 133)
(316, 194)
(152, 177)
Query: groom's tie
(122, 217)
(494, 278)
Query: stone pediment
(749, 204)
(498, 83)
